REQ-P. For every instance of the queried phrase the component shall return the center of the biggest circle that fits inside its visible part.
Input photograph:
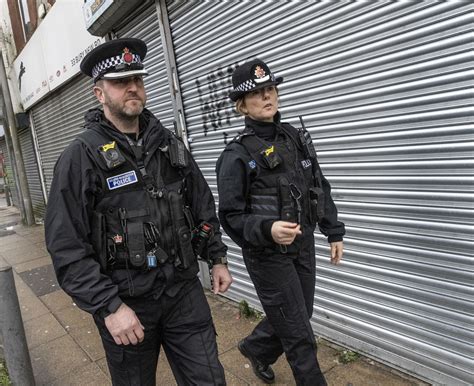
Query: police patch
(123, 179)
(306, 163)
(252, 164)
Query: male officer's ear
(99, 92)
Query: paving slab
(57, 300)
(90, 375)
(36, 263)
(215, 300)
(35, 237)
(10, 242)
(41, 280)
(25, 231)
(54, 359)
(73, 317)
(88, 339)
(42, 329)
(230, 327)
(361, 373)
(22, 253)
(31, 307)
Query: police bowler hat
(114, 59)
(250, 76)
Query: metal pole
(15, 348)
(25, 191)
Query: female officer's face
(262, 104)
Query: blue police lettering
(123, 179)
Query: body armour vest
(280, 182)
(140, 219)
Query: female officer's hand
(337, 249)
(284, 232)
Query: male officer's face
(123, 98)
(262, 104)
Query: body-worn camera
(271, 157)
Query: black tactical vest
(280, 181)
(140, 218)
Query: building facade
(385, 89)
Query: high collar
(264, 130)
(148, 125)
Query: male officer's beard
(125, 112)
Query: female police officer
(271, 196)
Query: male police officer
(128, 212)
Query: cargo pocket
(117, 366)
(275, 304)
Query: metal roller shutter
(59, 118)
(145, 26)
(8, 169)
(385, 89)
(32, 175)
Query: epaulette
(238, 138)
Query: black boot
(264, 372)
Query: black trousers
(285, 287)
(183, 326)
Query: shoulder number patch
(123, 179)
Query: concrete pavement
(65, 347)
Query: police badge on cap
(119, 58)
(250, 76)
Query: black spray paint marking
(216, 107)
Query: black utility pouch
(185, 256)
(287, 207)
(99, 238)
(177, 153)
(316, 196)
(132, 222)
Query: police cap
(250, 76)
(114, 59)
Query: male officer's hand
(284, 232)
(221, 279)
(337, 249)
(124, 326)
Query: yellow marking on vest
(108, 146)
(269, 151)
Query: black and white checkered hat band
(249, 84)
(103, 66)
